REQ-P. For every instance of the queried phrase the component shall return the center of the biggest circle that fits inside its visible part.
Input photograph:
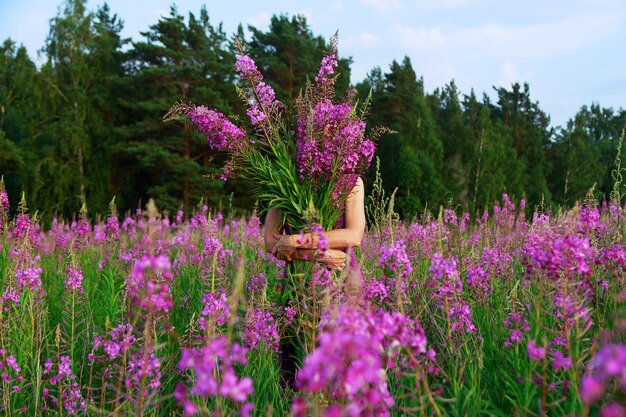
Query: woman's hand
(334, 258)
(285, 248)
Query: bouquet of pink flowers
(305, 172)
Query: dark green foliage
(411, 159)
(454, 132)
(178, 60)
(583, 153)
(17, 115)
(9, 155)
(528, 128)
(489, 176)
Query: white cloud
(510, 75)
(261, 20)
(509, 42)
(383, 5)
(161, 12)
(336, 6)
(419, 38)
(308, 14)
(444, 4)
(362, 40)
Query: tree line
(86, 125)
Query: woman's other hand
(334, 258)
(285, 247)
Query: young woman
(347, 235)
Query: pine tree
(495, 167)
(583, 154)
(18, 116)
(411, 159)
(454, 134)
(60, 179)
(106, 62)
(528, 127)
(177, 61)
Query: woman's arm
(272, 229)
(271, 234)
(349, 236)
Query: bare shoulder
(357, 194)
(359, 188)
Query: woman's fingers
(282, 250)
(335, 259)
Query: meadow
(151, 315)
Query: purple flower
(559, 361)
(144, 369)
(246, 409)
(63, 382)
(613, 410)
(29, 278)
(347, 364)
(257, 284)
(447, 291)
(221, 132)
(322, 243)
(260, 329)
(298, 407)
(591, 389)
(22, 226)
(4, 206)
(330, 143)
(246, 67)
(215, 309)
(236, 388)
(535, 352)
(396, 255)
(517, 324)
(112, 228)
(209, 383)
(329, 63)
(149, 284)
(118, 341)
(74, 279)
(4, 201)
(610, 362)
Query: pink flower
(613, 410)
(221, 132)
(74, 279)
(329, 63)
(219, 353)
(535, 352)
(246, 67)
(591, 389)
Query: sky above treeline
(571, 52)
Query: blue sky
(571, 52)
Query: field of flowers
(152, 316)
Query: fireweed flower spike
(329, 63)
(263, 108)
(246, 67)
(221, 132)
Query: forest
(86, 125)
